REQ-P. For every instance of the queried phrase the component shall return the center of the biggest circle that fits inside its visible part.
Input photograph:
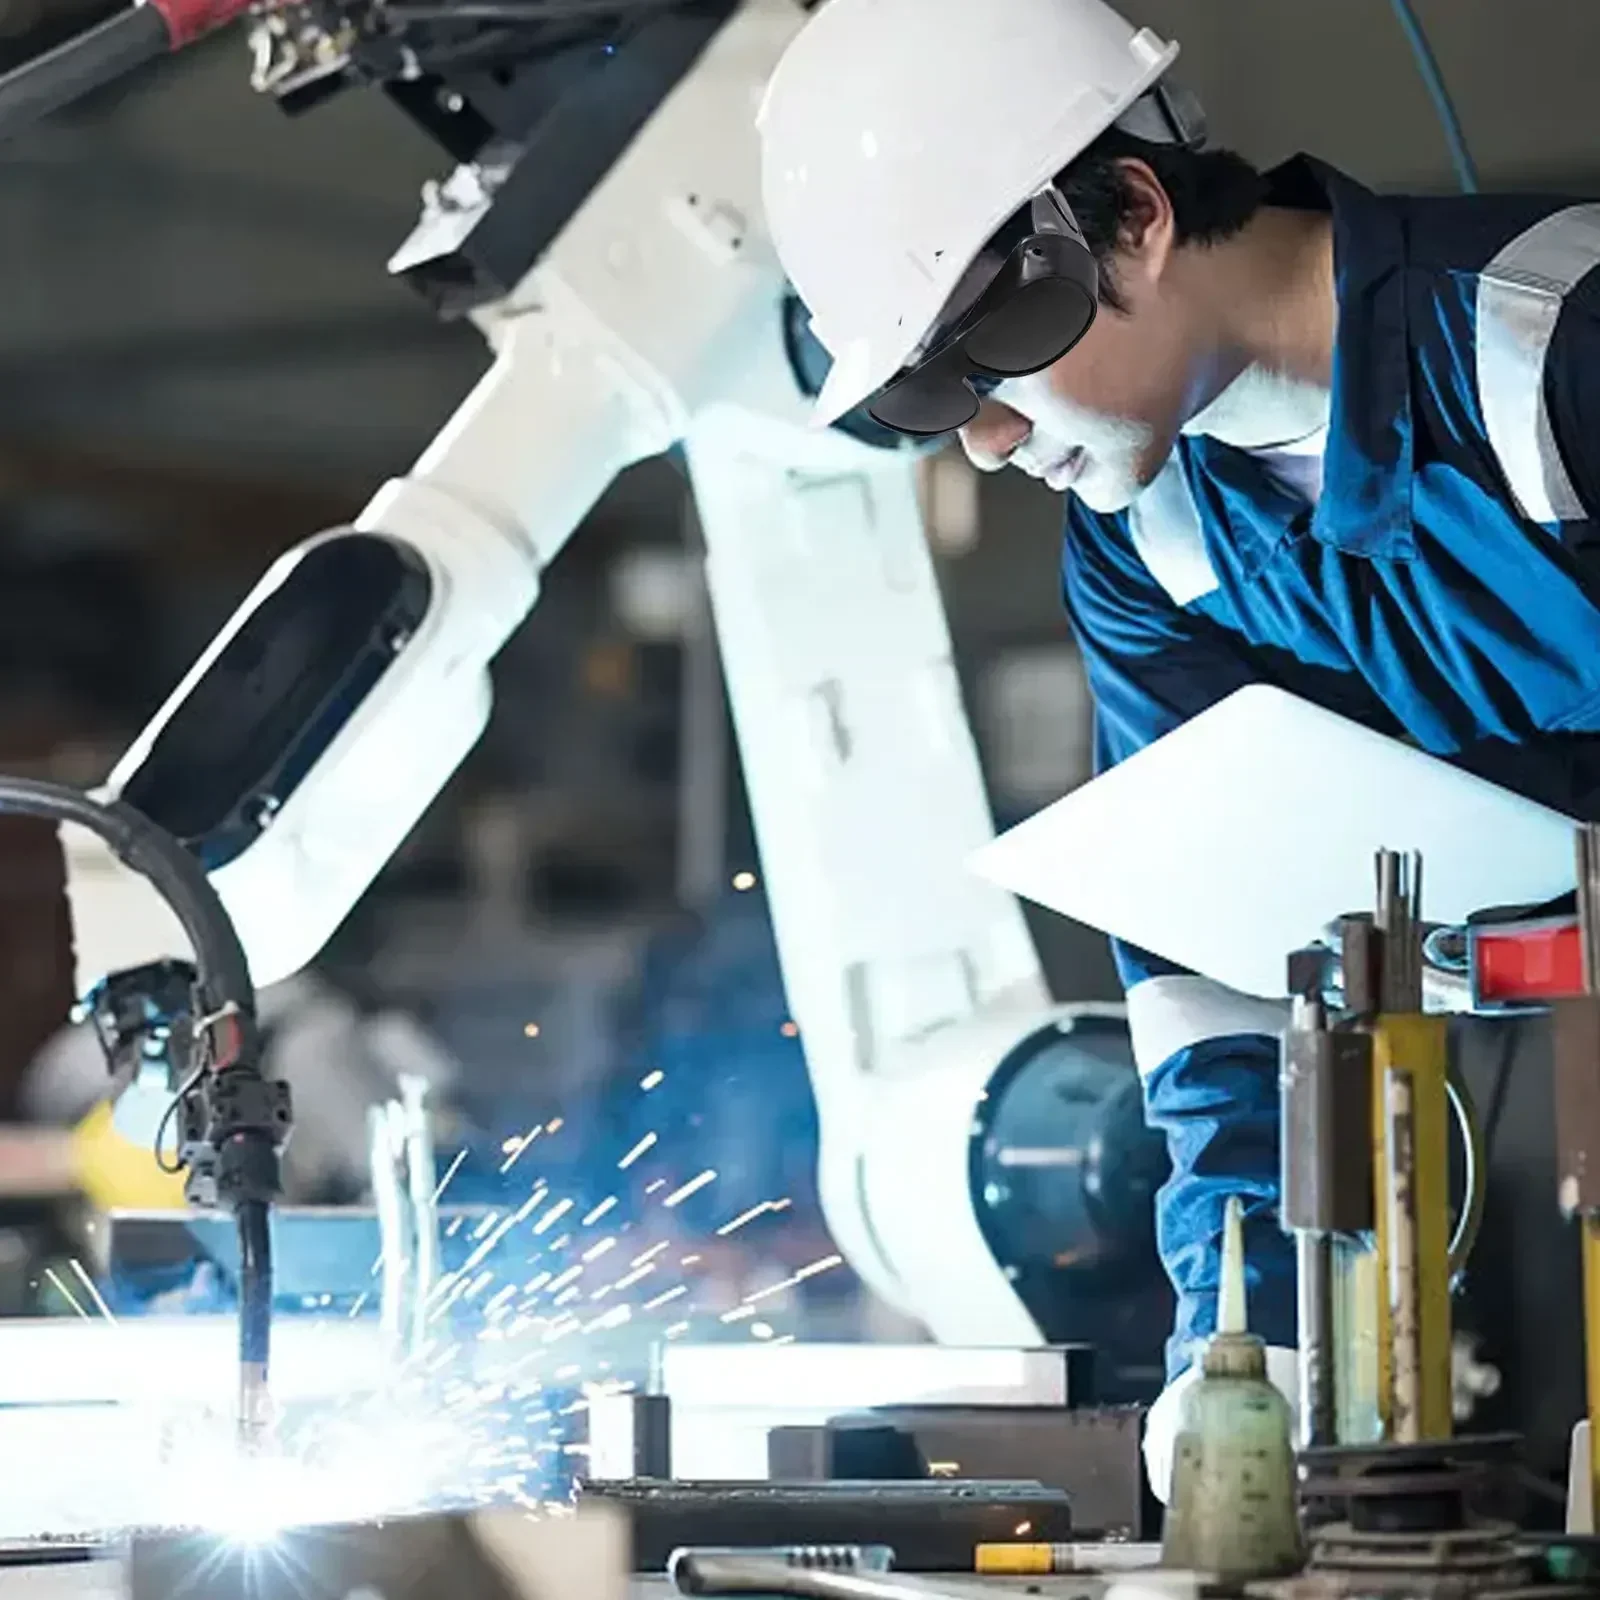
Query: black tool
(931, 1525)
(704, 1571)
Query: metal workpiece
(404, 1178)
(780, 1570)
(1575, 1040)
(1093, 1453)
(1360, 965)
(931, 1525)
(1588, 881)
(1326, 1083)
(1399, 922)
(1327, 1182)
(1575, 1028)
(489, 1554)
(630, 1436)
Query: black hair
(1214, 193)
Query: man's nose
(994, 435)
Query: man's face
(1102, 420)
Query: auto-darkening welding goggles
(1024, 303)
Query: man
(1346, 445)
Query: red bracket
(1525, 963)
(188, 20)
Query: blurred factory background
(202, 361)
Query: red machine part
(188, 20)
(1526, 963)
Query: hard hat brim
(857, 376)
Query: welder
(1341, 443)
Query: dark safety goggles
(1024, 303)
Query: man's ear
(1148, 232)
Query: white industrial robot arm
(654, 320)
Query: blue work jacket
(1444, 587)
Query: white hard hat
(898, 135)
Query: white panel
(1239, 836)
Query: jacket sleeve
(1208, 1057)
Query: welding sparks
(746, 1217)
(531, 1031)
(65, 1292)
(635, 1276)
(516, 1147)
(744, 882)
(608, 1204)
(648, 1255)
(652, 1080)
(552, 1216)
(450, 1172)
(595, 1251)
(664, 1299)
(94, 1293)
(637, 1151)
(693, 1186)
(827, 1263)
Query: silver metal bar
(1319, 1411)
(422, 1184)
(389, 1200)
(1589, 904)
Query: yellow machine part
(1591, 1342)
(1415, 1048)
(115, 1174)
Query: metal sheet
(726, 1398)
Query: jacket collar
(1365, 505)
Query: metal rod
(422, 1183)
(1589, 904)
(388, 1198)
(1319, 1408)
(1405, 1309)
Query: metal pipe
(1319, 1411)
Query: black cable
(224, 991)
(51, 82)
(1433, 81)
(224, 974)
(1497, 1093)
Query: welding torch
(232, 1122)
